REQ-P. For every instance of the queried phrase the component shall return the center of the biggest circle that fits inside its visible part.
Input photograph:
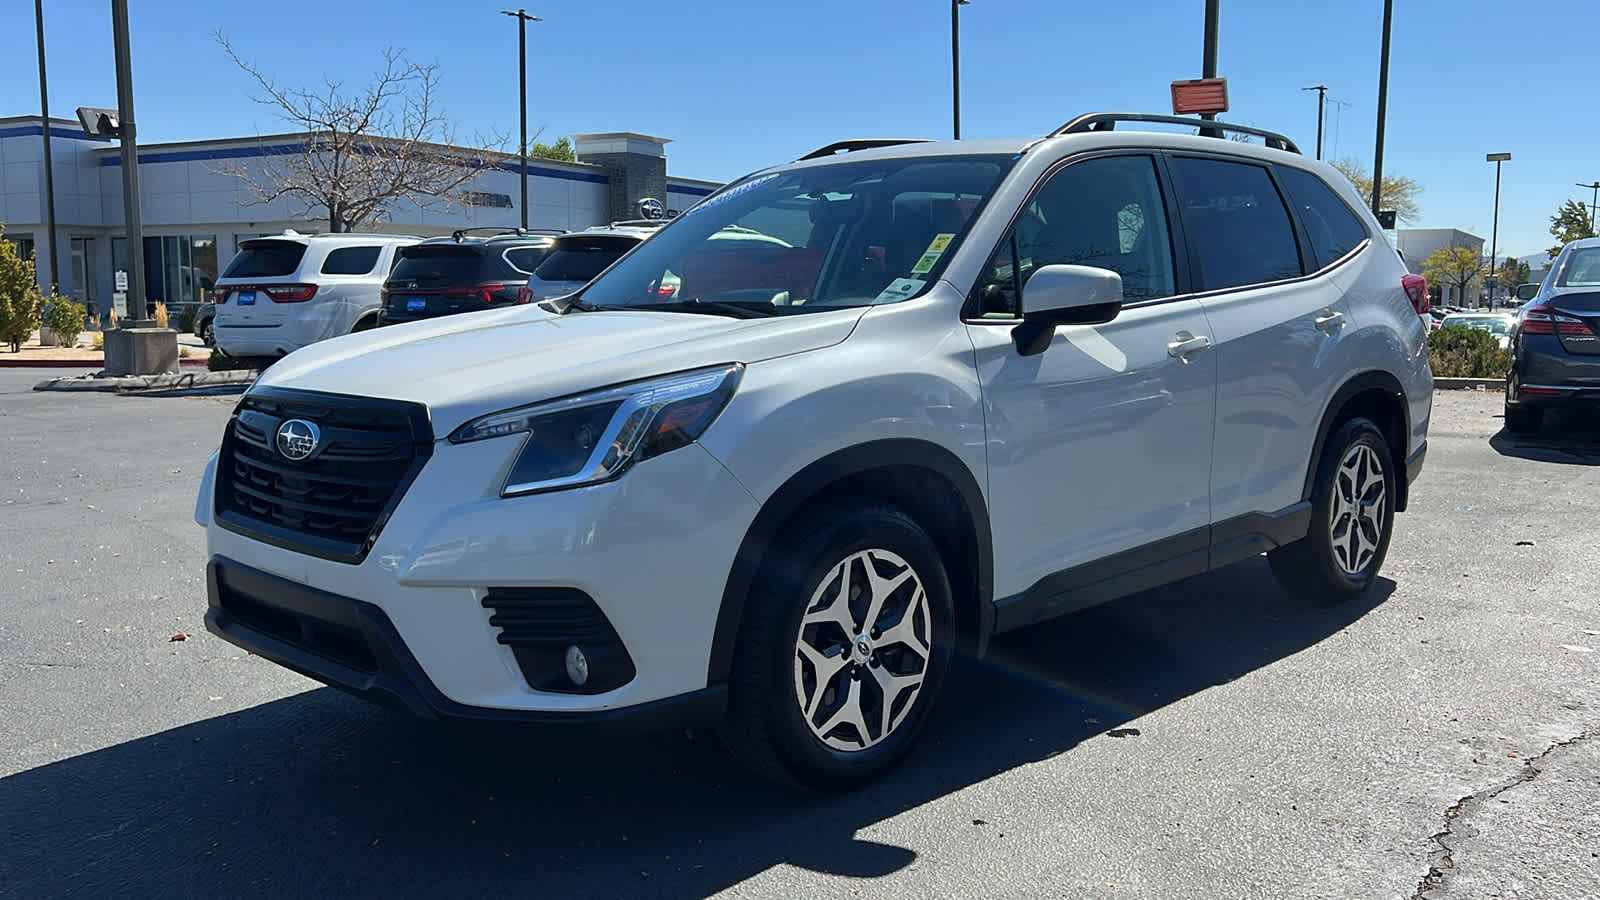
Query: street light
(955, 65)
(1383, 107)
(523, 19)
(1494, 238)
(49, 167)
(1594, 204)
(1322, 99)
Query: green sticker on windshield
(936, 249)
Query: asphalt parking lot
(1217, 738)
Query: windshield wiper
(558, 306)
(750, 310)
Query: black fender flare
(1366, 381)
(812, 481)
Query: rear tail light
(290, 293)
(523, 294)
(1544, 320)
(1416, 288)
(484, 292)
(667, 290)
(221, 296)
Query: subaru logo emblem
(651, 208)
(297, 439)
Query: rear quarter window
(1333, 229)
(582, 258)
(265, 259)
(526, 259)
(351, 261)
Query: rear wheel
(846, 642)
(1352, 511)
(1523, 420)
(208, 334)
(365, 323)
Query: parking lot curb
(171, 381)
(72, 363)
(1469, 384)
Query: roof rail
(460, 233)
(1108, 121)
(859, 144)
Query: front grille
(539, 624)
(334, 503)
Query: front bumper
(652, 549)
(352, 645)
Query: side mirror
(1065, 295)
(1528, 291)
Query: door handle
(1329, 321)
(1185, 345)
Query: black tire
(208, 334)
(1324, 565)
(766, 726)
(1523, 420)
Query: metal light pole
(49, 169)
(1594, 204)
(1494, 239)
(1383, 107)
(137, 310)
(1322, 100)
(523, 19)
(955, 66)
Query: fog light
(577, 665)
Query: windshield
(265, 259)
(824, 237)
(1582, 269)
(582, 257)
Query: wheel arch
(930, 483)
(1376, 395)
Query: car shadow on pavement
(1568, 436)
(323, 794)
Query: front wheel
(847, 639)
(1352, 514)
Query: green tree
(1570, 223)
(1459, 267)
(1512, 273)
(560, 150)
(1399, 192)
(19, 295)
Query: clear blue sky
(739, 85)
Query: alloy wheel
(1355, 522)
(862, 650)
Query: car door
(1101, 445)
(1275, 330)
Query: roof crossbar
(1108, 122)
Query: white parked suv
(287, 291)
(985, 383)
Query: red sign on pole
(1200, 95)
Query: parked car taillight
(523, 294)
(221, 296)
(290, 293)
(1416, 288)
(484, 292)
(1544, 320)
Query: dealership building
(196, 207)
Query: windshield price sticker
(930, 256)
(899, 289)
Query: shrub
(98, 342)
(161, 315)
(65, 318)
(1461, 352)
(19, 295)
(183, 352)
(222, 362)
(186, 318)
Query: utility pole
(1322, 100)
(1208, 58)
(137, 310)
(49, 169)
(523, 19)
(1594, 204)
(1494, 240)
(955, 66)
(1383, 107)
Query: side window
(1104, 212)
(1333, 229)
(350, 261)
(1236, 223)
(525, 259)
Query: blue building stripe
(286, 149)
(686, 189)
(55, 132)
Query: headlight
(594, 437)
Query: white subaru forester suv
(967, 387)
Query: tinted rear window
(582, 258)
(350, 261)
(265, 259)
(526, 259)
(438, 264)
(1334, 230)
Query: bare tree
(363, 151)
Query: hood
(467, 365)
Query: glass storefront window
(179, 269)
